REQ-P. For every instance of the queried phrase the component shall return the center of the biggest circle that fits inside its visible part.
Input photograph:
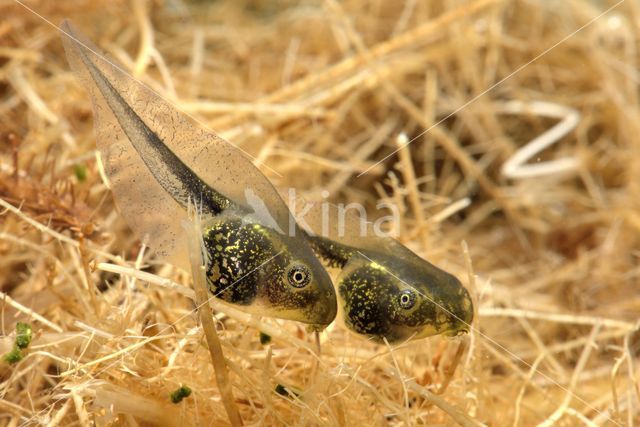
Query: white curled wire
(515, 167)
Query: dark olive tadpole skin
(248, 262)
(234, 254)
(371, 284)
(367, 304)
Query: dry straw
(530, 194)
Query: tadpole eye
(407, 299)
(299, 276)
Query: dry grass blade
(192, 229)
(537, 175)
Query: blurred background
(504, 131)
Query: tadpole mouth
(460, 317)
(324, 308)
(316, 328)
(460, 330)
(330, 311)
(323, 312)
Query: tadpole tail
(170, 172)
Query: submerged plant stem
(204, 312)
